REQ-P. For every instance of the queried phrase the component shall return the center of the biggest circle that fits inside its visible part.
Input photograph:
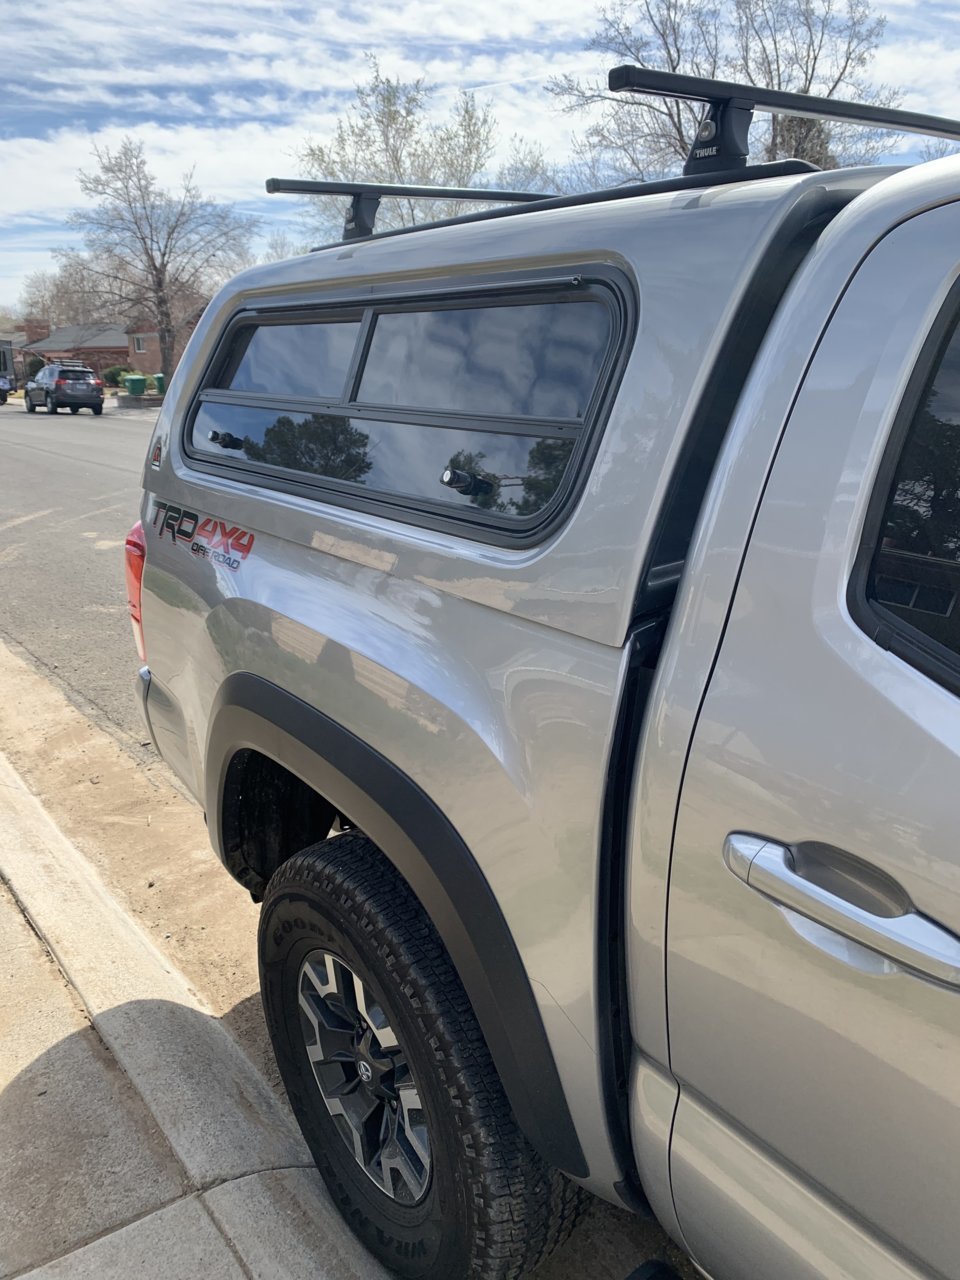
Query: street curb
(215, 1109)
(257, 1207)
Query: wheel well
(260, 811)
(269, 814)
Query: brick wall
(147, 360)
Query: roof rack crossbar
(721, 141)
(759, 172)
(365, 197)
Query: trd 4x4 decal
(207, 537)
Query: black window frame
(609, 285)
(882, 625)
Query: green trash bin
(161, 382)
(136, 384)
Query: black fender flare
(251, 713)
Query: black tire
(51, 404)
(28, 403)
(491, 1209)
(97, 410)
(74, 408)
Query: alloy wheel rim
(363, 1076)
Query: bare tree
(821, 47)
(38, 298)
(280, 244)
(938, 149)
(388, 135)
(153, 254)
(527, 168)
(69, 295)
(41, 299)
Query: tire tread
(522, 1209)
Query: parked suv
(67, 385)
(555, 612)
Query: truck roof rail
(722, 141)
(365, 197)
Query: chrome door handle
(910, 940)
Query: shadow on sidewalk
(81, 1154)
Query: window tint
(513, 475)
(297, 359)
(76, 375)
(538, 361)
(916, 569)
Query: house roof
(16, 337)
(82, 337)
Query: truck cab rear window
(470, 409)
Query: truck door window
(914, 577)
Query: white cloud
(928, 71)
(232, 89)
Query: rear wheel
(74, 408)
(390, 1078)
(97, 410)
(28, 403)
(51, 404)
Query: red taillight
(98, 382)
(135, 551)
(60, 382)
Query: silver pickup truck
(555, 612)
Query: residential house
(98, 345)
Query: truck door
(813, 971)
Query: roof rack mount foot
(361, 216)
(723, 139)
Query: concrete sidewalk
(136, 1137)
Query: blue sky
(233, 89)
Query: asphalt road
(69, 492)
